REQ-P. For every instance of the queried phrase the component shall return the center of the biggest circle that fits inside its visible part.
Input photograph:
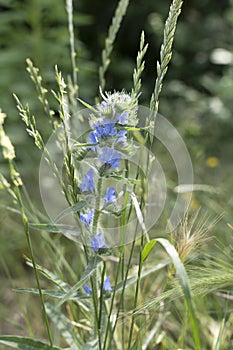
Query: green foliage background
(196, 97)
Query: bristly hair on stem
(165, 52)
(112, 33)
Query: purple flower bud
(87, 289)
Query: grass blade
(147, 249)
(71, 232)
(184, 283)
(25, 343)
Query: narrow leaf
(23, 343)
(72, 209)
(68, 231)
(57, 294)
(184, 283)
(147, 249)
(50, 276)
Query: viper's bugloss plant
(102, 167)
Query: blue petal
(123, 118)
(88, 217)
(107, 285)
(110, 157)
(110, 196)
(93, 139)
(97, 242)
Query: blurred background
(197, 98)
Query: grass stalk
(69, 9)
(165, 52)
(29, 243)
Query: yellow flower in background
(212, 162)
(195, 204)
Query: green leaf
(88, 106)
(57, 294)
(147, 249)
(79, 298)
(50, 276)
(184, 283)
(139, 213)
(23, 343)
(70, 232)
(72, 209)
(64, 326)
(219, 344)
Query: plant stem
(95, 304)
(97, 205)
(136, 291)
(26, 230)
(112, 304)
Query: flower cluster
(107, 139)
(119, 108)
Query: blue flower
(88, 217)
(88, 184)
(98, 242)
(110, 158)
(93, 139)
(107, 285)
(123, 118)
(110, 196)
(87, 289)
(107, 129)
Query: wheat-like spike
(204, 282)
(165, 52)
(37, 80)
(30, 122)
(112, 32)
(140, 65)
